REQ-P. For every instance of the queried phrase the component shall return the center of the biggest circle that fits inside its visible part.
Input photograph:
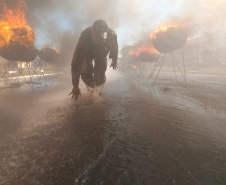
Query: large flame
(164, 27)
(13, 26)
(144, 48)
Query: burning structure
(166, 39)
(50, 55)
(145, 52)
(16, 37)
(17, 40)
(19, 53)
(17, 44)
(139, 55)
(169, 37)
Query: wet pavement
(135, 135)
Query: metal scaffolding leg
(174, 59)
(40, 75)
(141, 71)
(159, 65)
(137, 70)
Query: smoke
(206, 15)
(59, 23)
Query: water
(128, 137)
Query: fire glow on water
(13, 26)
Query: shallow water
(129, 137)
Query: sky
(59, 23)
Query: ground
(166, 132)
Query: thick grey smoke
(59, 23)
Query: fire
(163, 28)
(144, 48)
(13, 26)
(131, 66)
(57, 50)
(46, 47)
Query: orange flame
(131, 66)
(57, 50)
(149, 49)
(163, 28)
(13, 26)
(47, 46)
